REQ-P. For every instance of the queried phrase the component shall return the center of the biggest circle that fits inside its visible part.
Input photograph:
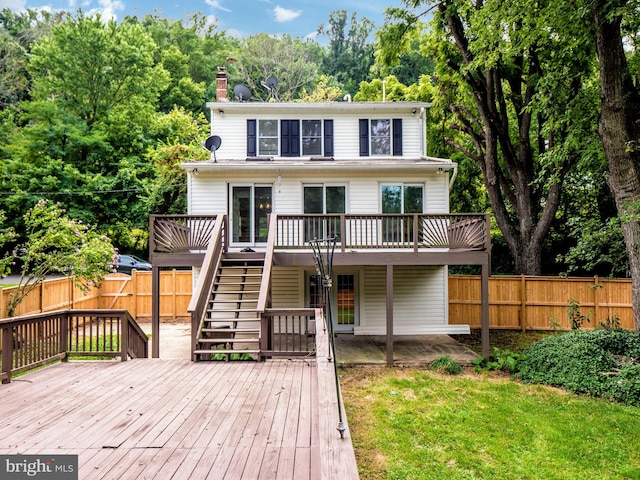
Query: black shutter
(251, 139)
(364, 137)
(328, 138)
(290, 138)
(397, 136)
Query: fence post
(523, 302)
(134, 294)
(173, 289)
(596, 287)
(2, 312)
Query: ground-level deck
(153, 418)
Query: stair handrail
(265, 283)
(200, 297)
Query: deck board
(153, 418)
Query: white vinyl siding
(419, 300)
(232, 129)
(287, 287)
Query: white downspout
(453, 177)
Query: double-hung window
(268, 137)
(326, 203)
(380, 137)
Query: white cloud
(284, 15)
(13, 4)
(108, 9)
(217, 5)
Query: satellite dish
(242, 92)
(271, 82)
(212, 144)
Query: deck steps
(232, 321)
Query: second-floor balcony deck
(182, 240)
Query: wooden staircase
(232, 321)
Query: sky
(239, 18)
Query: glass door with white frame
(250, 207)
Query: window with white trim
(380, 136)
(268, 137)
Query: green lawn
(411, 424)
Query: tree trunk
(619, 129)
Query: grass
(412, 424)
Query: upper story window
(268, 135)
(290, 138)
(311, 137)
(381, 136)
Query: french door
(344, 307)
(250, 207)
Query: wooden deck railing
(34, 340)
(386, 231)
(289, 332)
(181, 233)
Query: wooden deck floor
(175, 419)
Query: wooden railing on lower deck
(289, 332)
(386, 231)
(34, 340)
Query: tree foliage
(57, 244)
(291, 60)
(350, 53)
(517, 101)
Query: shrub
(595, 362)
(500, 359)
(445, 364)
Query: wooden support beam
(484, 289)
(390, 315)
(155, 312)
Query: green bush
(445, 364)
(595, 362)
(501, 359)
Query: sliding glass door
(250, 207)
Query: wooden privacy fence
(118, 291)
(540, 303)
(516, 302)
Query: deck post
(155, 312)
(484, 289)
(7, 354)
(390, 315)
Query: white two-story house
(353, 177)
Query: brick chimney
(222, 94)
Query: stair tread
(230, 330)
(227, 310)
(224, 351)
(228, 340)
(231, 320)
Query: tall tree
(349, 56)
(18, 32)
(509, 74)
(83, 136)
(619, 123)
(291, 60)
